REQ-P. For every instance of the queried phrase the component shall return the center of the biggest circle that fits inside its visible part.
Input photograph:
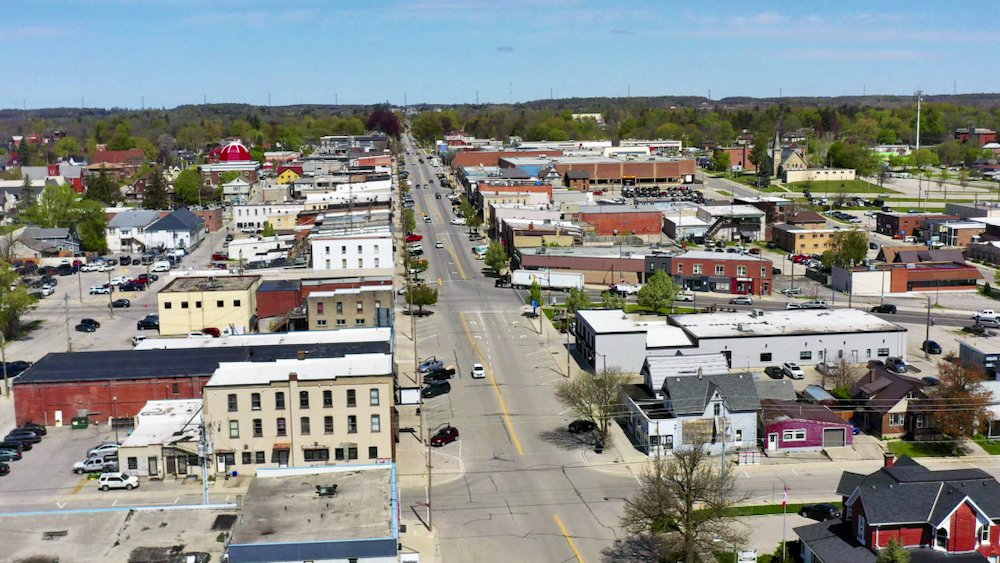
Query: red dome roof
(234, 152)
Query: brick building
(610, 220)
(211, 216)
(799, 240)
(980, 135)
(738, 157)
(722, 272)
(906, 224)
(131, 161)
(492, 158)
(577, 180)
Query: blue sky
(172, 52)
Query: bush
(841, 393)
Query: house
(808, 220)
(577, 180)
(882, 401)
(938, 516)
(739, 157)
(126, 231)
(700, 402)
(288, 174)
(977, 135)
(181, 229)
(236, 190)
(790, 426)
(57, 239)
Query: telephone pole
(69, 342)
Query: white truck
(547, 279)
(161, 266)
(626, 289)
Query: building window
(717, 409)
(327, 399)
(372, 452)
(279, 401)
(896, 419)
(220, 304)
(167, 305)
(343, 263)
(246, 458)
(255, 401)
(741, 271)
(361, 262)
(376, 423)
(807, 355)
(375, 249)
(351, 400)
(304, 424)
(236, 302)
(696, 269)
(352, 453)
(234, 429)
(319, 454)
(361, 307)
(359, 322)
(941, 539)
(861, 529)
(763, 272)
(259, 457)
(281, 427)
(340, 307)
(341, 322)
(359, 249)
(133, 463)
(720, 270)
(321, 322)
(376, 262)
(796, 435)
(352, 424)
(176, 388)
(868, 353)
(328, 425)
(304, 399)
(680, 268)
(327, 263)
(338, 454)
(184, 304)
(319, 308)
(343, 250)
(883, 352)
(765, 356)
(232, 402)
(374, 397)
(984, 534)
(258, 428)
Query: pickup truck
(624, 289)
(94, 465)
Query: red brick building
(610, 220)
(738, 156)
(278, 297)
(612, 171)
(212, 218)
(492, 158)
(906, 224)
(978, 134)
(722, 272)
(131, 160)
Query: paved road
(526, 493)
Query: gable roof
(833, 540)
(658, 368)
(132, 219)
(296, 169)
(807, 217)
(882, 389)
(782, 390)
(181, 220)
(690, 394)
(778, 411)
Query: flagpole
(784, 517)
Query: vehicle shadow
(642, 548)
(562, 438)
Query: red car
(218, 256)
(212, 331)
(414, 238)
(446, 435)
(598, 192)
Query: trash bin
(79, 423)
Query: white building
(358, 250)
(164, 441)
(259, 248)
(180, 229)
(236, 190)
(254, 216)
(126, 231)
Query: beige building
(819, 175)
(300, 413)
(188, 304)
(798, 240)
(349, 307)
(164, 441)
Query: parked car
(581, 426)
(100, 290)
(85, 328)
(198, 334)
(774, 372)
(151, 321)
(931, 347)
(685, 297)
(105, 448)
(815, 304)
(118, 280)
(121, 304)
(458, 221)
(985, 313)
(94, 465)
(430, 364)
(212, 331)
(896, 364)
(15, 445)
(4, 468)
(90, 322)
(826, 367)
(435, 389)
(10, 454)
(884, 308)
(446, 435)
(16, 368)
(872, 364)
(792, 370)
(413, 237)
(822, 511)
(116, 480)
(792, 291)
(146, 278)
(741, 300)
(930, 381)
(23, 435)
(137, 339)
(478, 371)
(975, 329)
(790, 306)
(775, 271)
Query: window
(941, 539)
(281, 427)
(359, 249)
(376, 249)
(176, 388)
(328, 250)
(343, 250)
(717, 409)
(246, 458)
(232, 402)
(197, 304)
(339, 454)
(984, 534)
(376, 423)
(696, 269)
(374, 397)
(763, 272)
(184, 304)
(327, 263)
(351, 400)
(765, 356)
(234, 429)
(352, 424)
(236, 302)
(796, 435)
(255, 401)
(133, 463)
(341, 322)
(739, 435)
(340, 307)
(361, 262)
(896, 419)
(361, 307)
(327, 399)
(372, 452)
(279, 401)
(258, 428)
(220, 304)
(352, 453)
(868, 353)
(259, 457)
(806, 355)
(883, 352)
(741, 271)
(376, 262)
(359, 322)
(304, 399)
(321, 322)
(328, 425)
(720, 270)
(343, 263)
(319, 308)
(320, 454)
(167, 305)
(304, 424)
(680, 268)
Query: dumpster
(79, 423)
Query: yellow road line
(457, 263)
(572, 545)
(489, 372)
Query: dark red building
(741, 274)
(610, 220)
(980, 135)
(905, 224)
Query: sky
(165, 53)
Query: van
(909, 239)
(988, 322)
(815, 304)
(161, 266)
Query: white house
(352, 251)
(255, 215)
(260, 248)
(126, 231)
(181, 229)
(236, 190)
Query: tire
(129, 487)
(105, 488)
(78, 471)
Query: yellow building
(299, 413)
(283, 222)
(288, 175)
(188, 304)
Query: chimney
(53, 170)
(888, 459)
(302, 354)
(293, 376)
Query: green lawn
(921, 449)
(831, 186)
(992, 447)
(723, 192)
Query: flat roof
(686, 221)
(763, 199)
(299, 337)
(166, 422)
(282, 505)
(588, 251)
(667, 337)
(724, 210)
(350, 291)
(905, 214)
(185, 284)
(262, 373)
(705, 255)
(617, 209)
(783, 323)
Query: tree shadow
(566, 440)
(426, 313)
(642, 548)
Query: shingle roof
(775, 410)
(690, 394)
(883, 389)
(807, 217)
(832, 541)
(42, 234)
(578, 175)
(133, 219)
(180, 220)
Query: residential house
(882, 401)
(577, 180)
(288, 174)
(939, 516)
(236, 190)
(126, 231)
(181, 229)
(60, 241)
(790, 426)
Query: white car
(47, 290)
(458, 221)
(478, 371)
(102, 267)
(438, 244)
(120, 280)
(416, 246)
(110, 481)
(989, 313)
(137, 339)
(792, 370)
(685, 297)
(199, 335)
(100, 290)
(91, 267)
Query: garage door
(834, 437)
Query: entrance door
(154, 470)
(282, 458)
(171, 465)
(221, 463)
(58, 418)
(772, 442)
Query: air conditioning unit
(246, 446)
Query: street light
(733, 545)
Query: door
(220, 463)
(59, 418)
(171, 465)
(834, 437)
(282, 458)
(772, 442)
(154, 470)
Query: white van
(161, 266)
(909, 239)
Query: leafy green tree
(409, 220)
(659, 292)
(268, 229)
(596, 398)
(496, 256)
(187, 187)
(612, 300)
(14, 303)
(27, 198)
(846, 247)
(760, 159)
(155, 196)
(416, 264)
(227, 177)
(421, 296)
(61, 207)
(465, 209)
(68, 146)
(122, 139)
(721, 161)
(474, 222)
(578, 299)
(893, 553)
(104, 189)
(92, 225)
(427, 128)
(534, 294)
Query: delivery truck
(547, 279)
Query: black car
(126, 261)
(975, 329)
(132, 286)
(435, 389)
(581, 426)
(151, 322)
(12, 445)
(229, 238)
(774, 372)
(771, 245)
(884, 308)
(4, 468)
(85, 328)
(775, 271)
(822, 511)
(931, 347)
(36, 428)
(26, 437)
(16, 368)
(90, 322)
(121, 304)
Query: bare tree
(843, 373)
(596, 398)
(686, 503)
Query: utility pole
(3, 355)
(111, 295)
(919, 97)
(79, 283)
(204, 450)
(69, 342)
(928, 333)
